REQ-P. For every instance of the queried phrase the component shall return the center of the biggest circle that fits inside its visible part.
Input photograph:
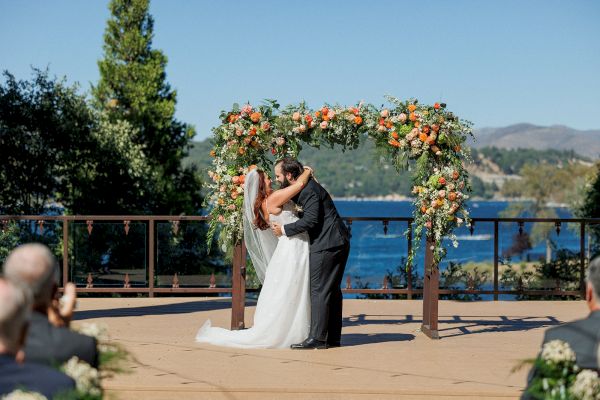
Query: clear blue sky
(494, 62)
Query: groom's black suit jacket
(320, 219)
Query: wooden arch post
(238, 286)
(431, 284)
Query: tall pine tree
(133, 87)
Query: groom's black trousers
(326, 273)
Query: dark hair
(259, 220)
(292, 166)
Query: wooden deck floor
(384, 355)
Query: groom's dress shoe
(334, 344)
(309, 344)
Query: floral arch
(427, 135)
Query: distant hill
(528, 136)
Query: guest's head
(263, 191)
(34, 267)
(593, 284)
(287, 170)
(15, 309)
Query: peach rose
(280, 141)
(296, 116)
(302, 128)
(385, 113)
(323, 125)
(402, 117)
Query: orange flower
(455, 175)
(394, 142)
(442, 180)
(254, 144)
(252, 131)
(430, 140)
(389, 124)
(435, 127)
(308, 119)
(423, 136)
(395, 135)
(325, 111)
(381, 121)
(412, 107)
(436, 106)
(317, 114)
(241, 150)
(354, 110)
(358, 120)
(452, 196)
(423, 209)
(213, 153)
(412, 117)
(425, 129)
(255, 117)
(235, 179)
(325, 117)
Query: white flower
(22, 395)
(586, 385)
(557, 351)
(87, 379)
(98, 331)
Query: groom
(329, 249)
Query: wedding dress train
(282, 315)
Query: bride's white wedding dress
(282, 315)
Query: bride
(282, 315)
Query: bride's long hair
(261, 195)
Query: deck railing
(148, 281)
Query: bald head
(34, 267)
(15, 308)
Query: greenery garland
(431, 136)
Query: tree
(44, 127)
(133, 88)
(590, 207)
(58, 152)
(541, 184)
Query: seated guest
(34, 267)
(583, 336)
(15, 309)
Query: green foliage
(560, 273)
(590, 207)
(511, 161)
(9, 238)
(45, 139)
(133, 88)
(456, 277)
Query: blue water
(373, 253)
